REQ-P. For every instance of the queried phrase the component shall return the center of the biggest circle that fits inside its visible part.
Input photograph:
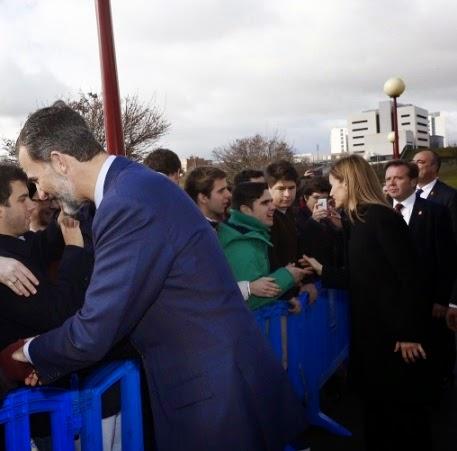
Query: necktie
(419, 191)
(399, 208)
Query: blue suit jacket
(161, 278)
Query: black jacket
(446, 195)
(431, 229)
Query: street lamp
(391, 139)
(394, 87)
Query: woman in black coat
(388, 312)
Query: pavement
(346, 410)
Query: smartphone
(322, 203)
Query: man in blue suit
(160, 278)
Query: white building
(338, 140)
(368, 131)
(437, 126)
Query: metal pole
(110, 87)
(396, 144)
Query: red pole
(396, 143)
(110, 87)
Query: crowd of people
(117, 260)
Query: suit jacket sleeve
(133, 258)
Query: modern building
(437, 128)
(368, 131)
(338, 140)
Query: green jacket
(245, 241)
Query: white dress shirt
(408, 205)
(426, 189)
(98, 197)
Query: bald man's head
(429, 164)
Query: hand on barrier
(439, 311)
(311, 289)
(451, 318)
(265, 287)
(410, 351)
(17, 277)
(295, 306)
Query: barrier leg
(91, 432)
(17, 434)
(132, 431)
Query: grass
(448, 173)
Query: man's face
(399, 185)
(215, 206)
(428, 171)
(312, 199)
(50, 184)
(15, 217)
(43, 213)
(262, 209)
(283, 193)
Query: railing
(311, 346)
(74, 412)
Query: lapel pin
(420, 212)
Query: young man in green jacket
(245, 238)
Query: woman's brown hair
(362, 184)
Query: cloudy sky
(222, 70)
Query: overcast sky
(227, 69)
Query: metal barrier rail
(76, 412)
(311, 346)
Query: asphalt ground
(344, 407)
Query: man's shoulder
(444, 188)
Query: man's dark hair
(247, 193)
(314, 185)
(164, 161)
(61, 128)
(246, 175)
(413, 170)
(280, 170)
(201, 180)
(9, 173)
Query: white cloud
(223, 70)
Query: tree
(255, 152)
(7, 145)
(143, 123)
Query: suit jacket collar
(118, 165)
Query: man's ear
(59, 162)
(202, 199)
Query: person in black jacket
(389, 314)
(431, 188)
(52, 304)
(431, 230)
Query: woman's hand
(410, 351)
(295, 306)
(17, 277)
(311, 262)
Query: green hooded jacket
(245, 241)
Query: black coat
(431, 230)
(447, 196)
(387, 304)
(54, 302)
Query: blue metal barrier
(317, 344)
(90, 402)
(75, 411)
(20, 404)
